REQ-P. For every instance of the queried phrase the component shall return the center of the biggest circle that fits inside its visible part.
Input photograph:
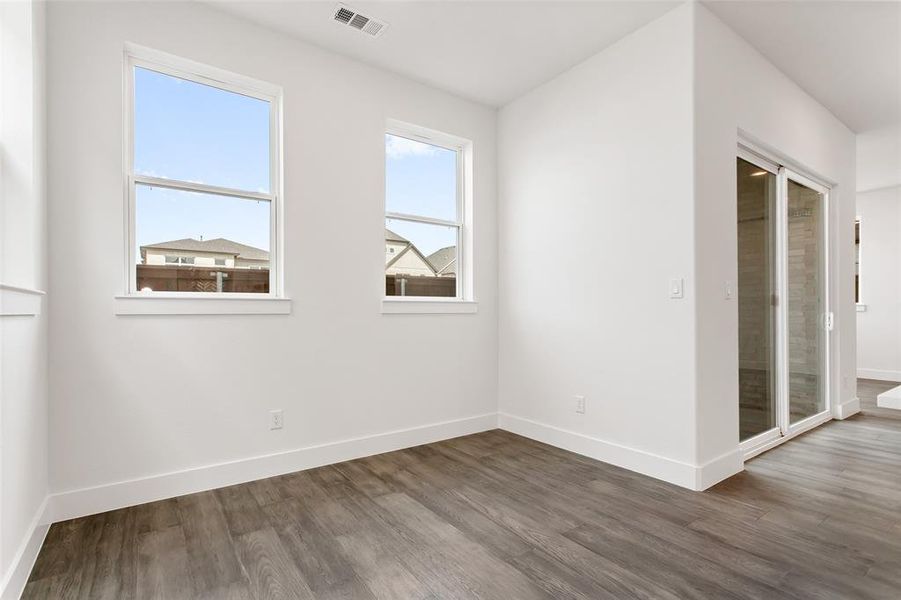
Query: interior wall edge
(71, 504)
(846, 409)
(14, 580)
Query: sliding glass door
(783, 310)
(756, 284)
(806, 301)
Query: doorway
(784, 322)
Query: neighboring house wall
(392, 249)
(251, 264)
(158, 257)
(879, 325)
(410, 263)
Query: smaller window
(220, 262)
(424, 214)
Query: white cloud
(398, 147)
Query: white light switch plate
(730, 290)
(676, 288)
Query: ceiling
(488, 51)
(847, 55)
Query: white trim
(196, 304)
(87, 501)
(879, 374)
(13, 583)
(424, 220)
(750, 445)
(889, 398)
(425, 305)
(693, 477)
(800, 427)
(716, 470)
(201, 188)
(844, 410)
(18, 301)
(184, 68)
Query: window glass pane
(193, 132)
(806, 302)
(420, 259)
(193, 242)
(756, 226)
(420, 179)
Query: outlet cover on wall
(276, 419)
(580, 404)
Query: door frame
(784, 429)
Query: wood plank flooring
(495, 515)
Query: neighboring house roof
(444, 261)
(217, 246)
(390, 236)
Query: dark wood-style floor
(495, 515)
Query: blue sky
(189, 131)
(421, 179)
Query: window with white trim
(424, 214)
(203, 165)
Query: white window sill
(18, 301)
(427, 306)
(239, 304)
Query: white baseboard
(693, 477)
(16, 577)
(890, 399)
(879, 374)
(722, 467)
(88, 501)
(846, 409)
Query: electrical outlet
(580, 404)
(276, 419)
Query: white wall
(595, 219)
(23, 255)
(737, 89)
(614, 178)
(127, 401)
(879, 326)
(879, 158)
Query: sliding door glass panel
(806, 306)
(756, 252)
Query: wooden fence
(444, 287)
(173, 278)
(185, 278)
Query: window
(203, 176)
(424, 214)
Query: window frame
(167, 64)
(462, 223)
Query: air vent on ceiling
(348, 16)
